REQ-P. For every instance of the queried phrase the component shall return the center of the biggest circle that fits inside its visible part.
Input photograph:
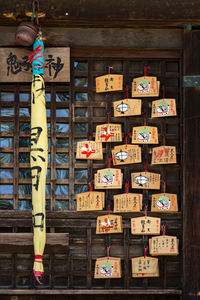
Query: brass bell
(26, 33)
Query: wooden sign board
(145, 135)
(163, 155)
(163, 108)
(109, 133)
(90, 201)
(15, 66)
(145, 180)
(108, 178)
(107, 267)
(128, 202)
(89, 150)
(164, 203)
(163, 245)
(145, 226)
(126, 155)
(109, 224)
(109, 83)
(145, 87)
(127, 107)
(145, 267)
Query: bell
(26, 33)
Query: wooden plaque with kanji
(109, 224)
(145, 267)
(145, 226)
(90, 201)
(163, 108)
(145, 87)
(109, 133)
(164, 203)
(145, 180)
(145, 135)
(126, 155)
(128, 202)
(163, 245)
(163, 155)
(109, 178)
(89, 150)
(127, 107)
(109, 83)
(107, 267)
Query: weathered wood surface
(57, 65)
(191, 159)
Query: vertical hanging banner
(163, 108)
(38, 155)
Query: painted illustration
(163, 108)
(106, 225)
(106, 134)
(106, 269)
(122, 107)
(121, 156)
(87, 150)
(163, 203)
(108, 177)
(144, 135)
(141, 180)
(143, 86)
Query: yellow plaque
(145, 135)
(163, 108)
(163, 245)
(108, 178)
(127, 107)
(164, 203)
(145, 267)
(107, 267)
(145, 226)
(109, 133)
(109, 224)
(145, 87)
(145, 180)
(128, 202)
(89, 150)
(90, 201)
(109, 83)
(163, 155)
(126, 155)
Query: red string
(108, 209)
(163, 92)
(90, 186)
(163, 140)
(127, 187)
(145, 251)
(109, 67)
(145, 166)
(145, 70)
(126, 137)
(90, 138)
(109, 160)
(126, 90)
(108, 251)
(35, 56)
(108, 118)
(145, 118)
(163, 228)
(164, 185)
(38, 257)
(145, 210)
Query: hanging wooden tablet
(145, 226)
(163, 108)
(109, 224)
(145, 135)
(145, 87)
(109, 133)
(90, 201)
(108, 178)
(163, 245)
(145, 267)
(89, 150)
(107, 267)
(128, 202)
(109, 83)
(126, 155)
(145, 180)
(164, 203)
(163, 155)
(127, 107)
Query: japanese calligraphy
(107, 267)
(145, 226)
(109, 224)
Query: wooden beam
(93, 292)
